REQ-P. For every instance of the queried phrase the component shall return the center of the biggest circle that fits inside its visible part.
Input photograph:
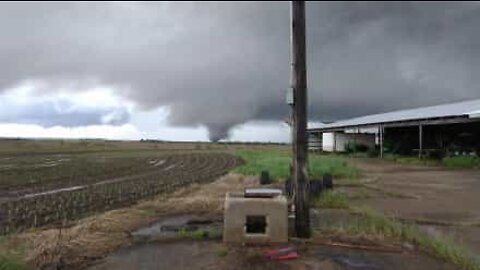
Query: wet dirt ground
(155, 247)
(429, 194)
(208, 255)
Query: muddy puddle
(175, 227)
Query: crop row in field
(37, 173)
(172, 172)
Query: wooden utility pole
(299, 86)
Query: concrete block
(244, 218)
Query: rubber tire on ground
(316, 187)
(289, 187)
(265, 178)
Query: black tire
(289, 187)
(316, 187)
(265, 178)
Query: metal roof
(468, 109)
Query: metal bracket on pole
(290, 98)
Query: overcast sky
(194, 71)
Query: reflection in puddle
(172, 226)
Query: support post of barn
(334, 134)
(420, 140)
(299, 85)
(380, 139)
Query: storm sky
(209, 70)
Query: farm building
(448, 129)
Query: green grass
(337, 167)
(10, 258)
(11, 262)
(359, 155)
(362, 194)
(462, 162)
(369, 222)
(199, 234)
(277, 164)
(417, 161)
(222, 252)
(331, 199)
(451, 162)
(412, 160)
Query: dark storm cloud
(221, 64)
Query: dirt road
(448, 200)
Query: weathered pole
(299, 86)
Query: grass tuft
(362, 194)
(199, 234)
(222, 252)
(412, 160)
(331, 199)
(10, 258)
(462, 162)
(466, 162)
(11, 262)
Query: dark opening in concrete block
(256, 225)
(250, 217)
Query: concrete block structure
(255, 219)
